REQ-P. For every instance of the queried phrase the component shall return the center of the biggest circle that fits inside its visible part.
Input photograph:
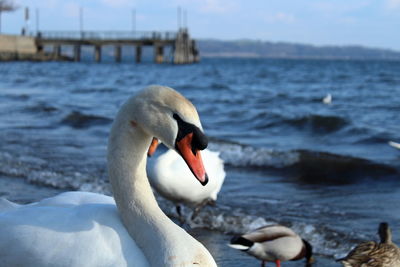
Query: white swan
(172, 179)
(86, 229)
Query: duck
(129, 229)
(274, 243)
(373, 254)
(171, 178)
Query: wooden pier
(183, 48)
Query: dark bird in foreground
(274, 243)
(373, 254)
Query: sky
(371, 23)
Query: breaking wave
(239, 155)
(223, 218)
(308, 166)
(232, 221)
(77, 119)
(318, 123)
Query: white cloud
(118, 3)
(217, 6)
(345, 14)
(348, 20)
(48, 4)
(281, 17)
(208, 6)
(337, 8)
(71, 9)
(393, 4)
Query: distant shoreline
(262, 49)
(251, 56)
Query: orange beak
(153, 147)
(192, 158)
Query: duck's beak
(310, 261)
(153, 147)
(192, 158)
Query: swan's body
(274, 243)
(85, 229)
(171, 177)
(57, 231)
(373, 254)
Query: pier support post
(57, 51)
(138, 55)
(195, 52)
(77, 53)
(97, 53)
(185, 50)
(40, 48)
(117, 53)
(158, 53)
(181, 48)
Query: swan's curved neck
(162, 241)
(140, 213)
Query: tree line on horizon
(252, 48)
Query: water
(325, 170)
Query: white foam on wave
(247, 156)
(222, 218)
(233, 221)
(225, 219)
(35, 170)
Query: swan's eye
(199, 140)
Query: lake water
(326, 170)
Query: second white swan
(172, 179)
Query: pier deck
(184, 49)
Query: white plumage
(171, 177)
(87, 229)
(70, 229)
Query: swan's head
(167, 115)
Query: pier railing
(107, 35)
(183, 48)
